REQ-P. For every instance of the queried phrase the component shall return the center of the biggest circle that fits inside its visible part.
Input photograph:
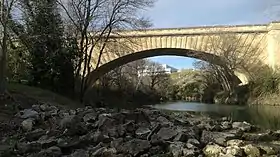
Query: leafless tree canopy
(91, 22)
(239, 53)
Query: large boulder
(142, 132)
(244, 126)
(179, 149)
(166, 133)
(52, 151)
(251, 150)
(73, 125)
(216, 137)
(257, 137)
(235, 142)
(27, 124)
(28, 113)
(234, 151)
(213, 150)
(134, 147)
(35, 135)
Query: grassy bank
(26, 96)
(267, 99)
(20, 91)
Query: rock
(164, 121)
(194, 142)
(53, 111)
(155, 150)
(251, 151)
(80, 153)
(268, 150)
(156, 140)
(216, 137)
(73, 125)
(266, 136)
(95, 138)
(55, 151)
(235, 142)
(176, 149)
(237, 132)
(106, 132)
(99, 152)
(130, 126)
(224, 118)
(179, 149)
(135, 146)
(193, 132)
(111, 152)
(52, 151)
(137, 116)
(68, 144)
(29, 113)
(234, 151)
(90, 117)
(166, 133)
(44, 107)
(72, 112)
(62, 114)
(31, 147)
(116, 143)
(142, 132)
(115, 131)
(103, 151)
(213, 150)
(226, 125)
(181, 136)
(27, 124)
(35, 135)
(47, 141)
(67, 121)
(189, 152)
(276, 133)
(105, 121)
(244, 126)
(216, 127)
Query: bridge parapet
(192, 31)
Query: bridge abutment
(273, 45)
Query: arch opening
(205, 56)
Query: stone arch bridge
(205, 43)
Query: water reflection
(267, 117)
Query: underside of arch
(107, 67)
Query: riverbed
(46, 130)
(266, 117)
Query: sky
(189, 13)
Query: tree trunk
(3, 58)
(2, 73)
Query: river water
(267, 117)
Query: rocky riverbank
(49, 131)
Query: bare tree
(124, 75)
(155, 74)
(93, 21)
(239, 53)
(6, 7)
(142, 75)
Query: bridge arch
(205, 56)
